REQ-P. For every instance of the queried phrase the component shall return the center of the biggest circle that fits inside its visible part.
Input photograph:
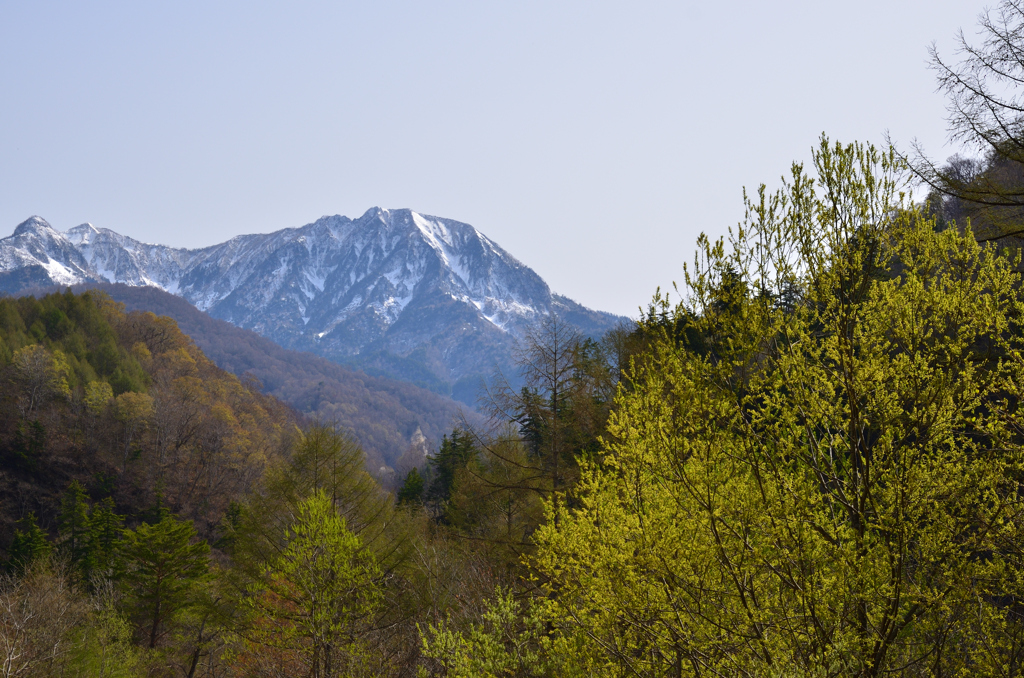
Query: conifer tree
(328, 463)
(456, 451)
(29, 545)
(411, 492)
(161, 566)
(559, 411)
(318, 597)
(73, 525)
(105, 527)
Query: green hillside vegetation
(127, 406)
(808, 463)
(163, 518)
(381, 414)
(158, 513)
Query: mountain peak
(401, 292)
(82, 234)
(375, 213)
(34, 224)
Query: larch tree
(316, 600)
(328, 463)
(985, 105)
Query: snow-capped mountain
(427, 299)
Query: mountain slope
(130, 408)
(384, 415)
(430, 300)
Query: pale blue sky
(593, 140)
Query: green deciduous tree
(104, 648)
(318, 598)
(39, 376)
(509, 641)
(134, 411)
(823, 487)
(98, 395)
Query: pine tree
(73, 525)
(161, 568)
(104, 531)
(28, 546)
(412, 489)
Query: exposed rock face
(430, 300)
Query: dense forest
(809, 463)
(127, 407)
(382, 414)
(162, 517)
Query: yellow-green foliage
(98, 395)
(827, 481)
(316, 597)
(89, 392)
(510, 640)
(39, 375)
(78, 327)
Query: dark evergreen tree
(28, 444)
(73, 525)
(104, 531)
(28, 546)
(162, 565)
(411, 493)
(455, 453)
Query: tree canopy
(827, 489)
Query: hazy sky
(592, 140)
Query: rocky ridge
(429, 300)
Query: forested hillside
(127, 406)
(382, 414)
(808, 463)
(161, 517)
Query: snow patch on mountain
(392, 282)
